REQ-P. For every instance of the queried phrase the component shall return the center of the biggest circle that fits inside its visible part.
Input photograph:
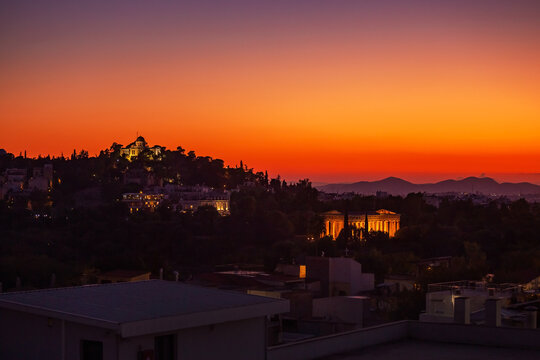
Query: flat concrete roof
(427, 350)
(121, 305)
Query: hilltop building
(142, 201)
(141, 177)
(380, 220)
(220, 202)
(16, 181)
(42, 178)
(197, 197)
(138, 146)
(190, 198)
(13, 180)
(180, 198)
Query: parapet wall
(403, 330)
(339, 343)
(475, 335)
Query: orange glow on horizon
(323, 96)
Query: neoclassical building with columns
(138, 146)
(380, 220)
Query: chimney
(462, 310)
(493, 311)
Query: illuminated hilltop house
(16, 181)
(142, 201)
(220, 203)
(190, 198)
(42, 178)
(380, 220)
(13, 181)
(138, 146)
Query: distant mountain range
(397, 186)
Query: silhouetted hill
(397, 186)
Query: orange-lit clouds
(335, 94)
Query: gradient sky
(330, 90)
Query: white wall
(340, 308)
(16, 329)
(26, 336)
(347, 270)
(341, 269)
(237, 340)
(77, 332)
(340, 343)
(363, 282)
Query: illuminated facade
(221, 205)
(141, 201)
(380, 220)
(138, 146)
(190, 198)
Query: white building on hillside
(138, 146)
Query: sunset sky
(334, 90)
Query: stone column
(462, 310)
(493, 311)
(532, 317)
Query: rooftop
(425, 350)
(410, 339)
(359, 213)
(473, 285)
(113, 305)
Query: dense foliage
(270, 221)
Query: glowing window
(302, 272)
